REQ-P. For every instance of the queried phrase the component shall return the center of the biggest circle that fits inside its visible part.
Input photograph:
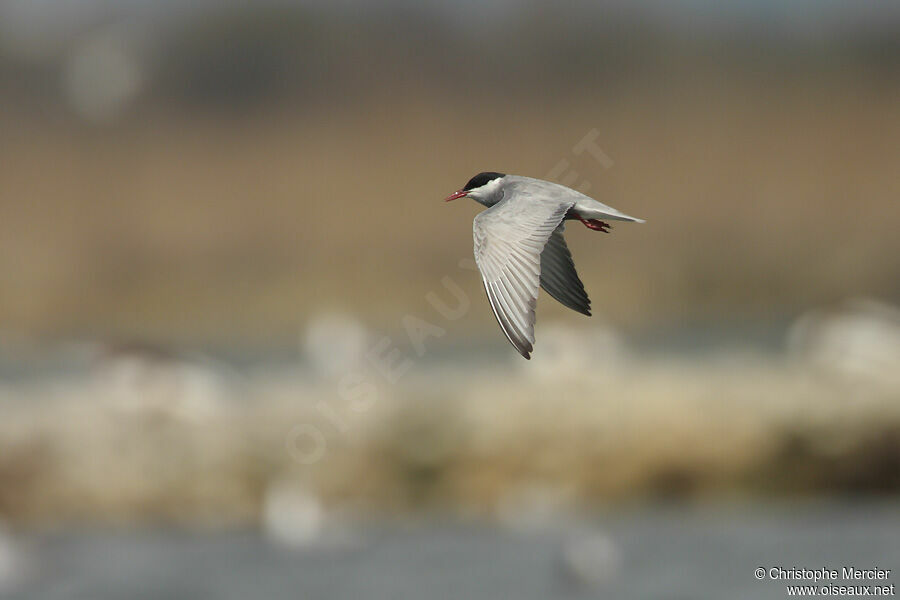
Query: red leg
(595, 224)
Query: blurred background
(243, 352)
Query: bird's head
(484, 188)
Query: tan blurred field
(762, 197)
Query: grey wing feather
(558, 275)
(509, 238)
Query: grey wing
(558, 275)
(509, 238)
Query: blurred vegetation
(88, 450)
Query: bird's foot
(595, 224)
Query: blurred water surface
(661, 553)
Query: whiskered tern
(519, 245)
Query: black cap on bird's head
(476, 182)
(481, 179)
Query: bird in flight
(519, 245)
